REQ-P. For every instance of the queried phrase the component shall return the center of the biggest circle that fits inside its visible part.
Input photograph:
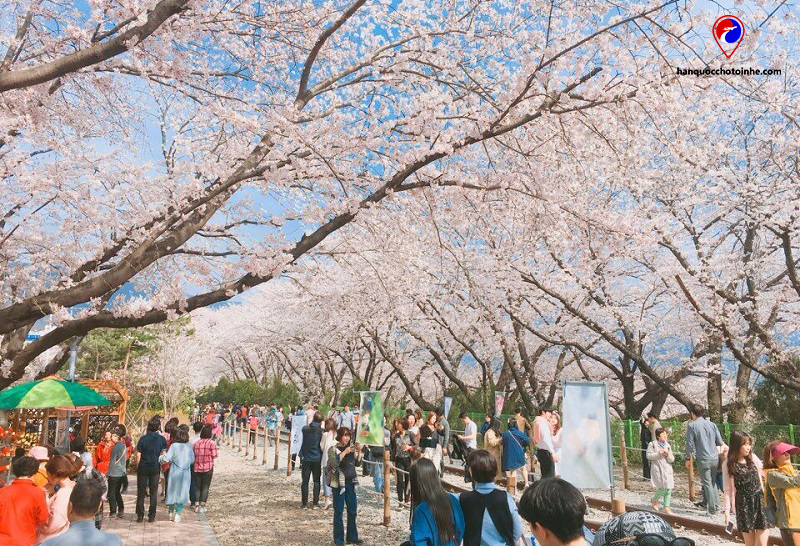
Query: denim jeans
(341, 496)
(377, 478)
(706, 469)
(326, 487)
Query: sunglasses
(654, 540)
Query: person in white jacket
(661, 457)
(328, 441)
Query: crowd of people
(60, 496)
(330, 456)
(182, 460)
(757, 494)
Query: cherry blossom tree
(144, 138)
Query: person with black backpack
(490, 513)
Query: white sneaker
(202, 509)
(172, 516)
(177, 518)
(197, 509)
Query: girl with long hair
(429, 445)
(413, 429)
(744, 491)
(437, 518)
(783, 490)
(487, 423)
(402, 458)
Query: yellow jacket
(783, 492)
(40, 478)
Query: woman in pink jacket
(59, 469)
(743, 490)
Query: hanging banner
(370, 419)
(499, 400)
(448, 401)
(298, 422)
(585, 458)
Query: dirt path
(250, 505)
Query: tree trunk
(741, 399)
(714, 391)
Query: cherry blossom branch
(95, 54)
(312, 56)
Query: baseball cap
(783, 447)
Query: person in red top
(102, 454)
(253, 423)
(23, 506)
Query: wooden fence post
(626, 480)
(241, 430)
(277, 447)
(692, 495)
(246, 439)
(264, 453)
(289, 455)
(387, 513)
(511, 483)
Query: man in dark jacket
(311, 458)
(148, 470)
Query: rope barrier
(372, 462)
(398, 470)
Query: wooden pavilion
(91, 422)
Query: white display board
(586, 459)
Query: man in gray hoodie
(702, 439)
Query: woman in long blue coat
(181, 457)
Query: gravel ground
(250, 504)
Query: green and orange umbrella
(50, 393)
